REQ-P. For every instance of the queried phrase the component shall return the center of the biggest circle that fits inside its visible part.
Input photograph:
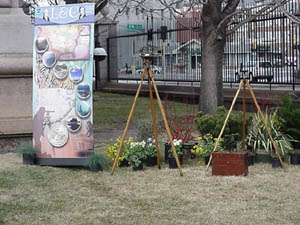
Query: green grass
(112, 110)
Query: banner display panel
(62, 81)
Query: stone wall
(16, 38)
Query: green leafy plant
(95, 160)
(150, 149)
(213, 123)
(289, 112)
(178, 147)
(113, 148)
(258, 137)
(205, 145)
(28, 150)
(136, 153)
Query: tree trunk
(213, 43)
(211, 92)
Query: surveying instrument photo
(147, 57)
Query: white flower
(143, 143)
(177, 142)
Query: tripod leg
(128, 122)
(153, 118)
(166, 125)
(265, 124)
(244, 115)
(225, 122)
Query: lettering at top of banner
(65, 14)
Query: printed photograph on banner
(63, 42)
(59, 131)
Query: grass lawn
(53, 195)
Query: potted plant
(136, 155)
(171, 159)
(113, 148)
(258, 137)
(205, 146)
(150, 152)
(96, 162)
(181, 127)
(29, 154)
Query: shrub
(289, 113)
(213, 123)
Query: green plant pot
(137, 168)
(95, 168)
(124, 163)
(276, 163)
(251, 159)
(151, 161)
(187, 151)
(172, 162)
(167, 147)
(29, 159)
(263, 158)
(296, 145)
(295, 159)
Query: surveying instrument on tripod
(244, 82)
(147, 57)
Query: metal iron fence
(267, 47)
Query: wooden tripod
(243, 84)
(151, 83)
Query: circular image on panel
(41, 45)
(83, 109)
(76, 74)
(83, 91)
(61, 71)
(73, 124)
(58, 135)
(49, 59)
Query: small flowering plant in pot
(96, 162)
(136, 155)
(113, 147)
(178, 147)
(205, 146)
(150, 152)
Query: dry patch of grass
(49, 195)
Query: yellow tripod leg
(166, 125)
(128, 122)
(153, 118)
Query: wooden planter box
(230, 163)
